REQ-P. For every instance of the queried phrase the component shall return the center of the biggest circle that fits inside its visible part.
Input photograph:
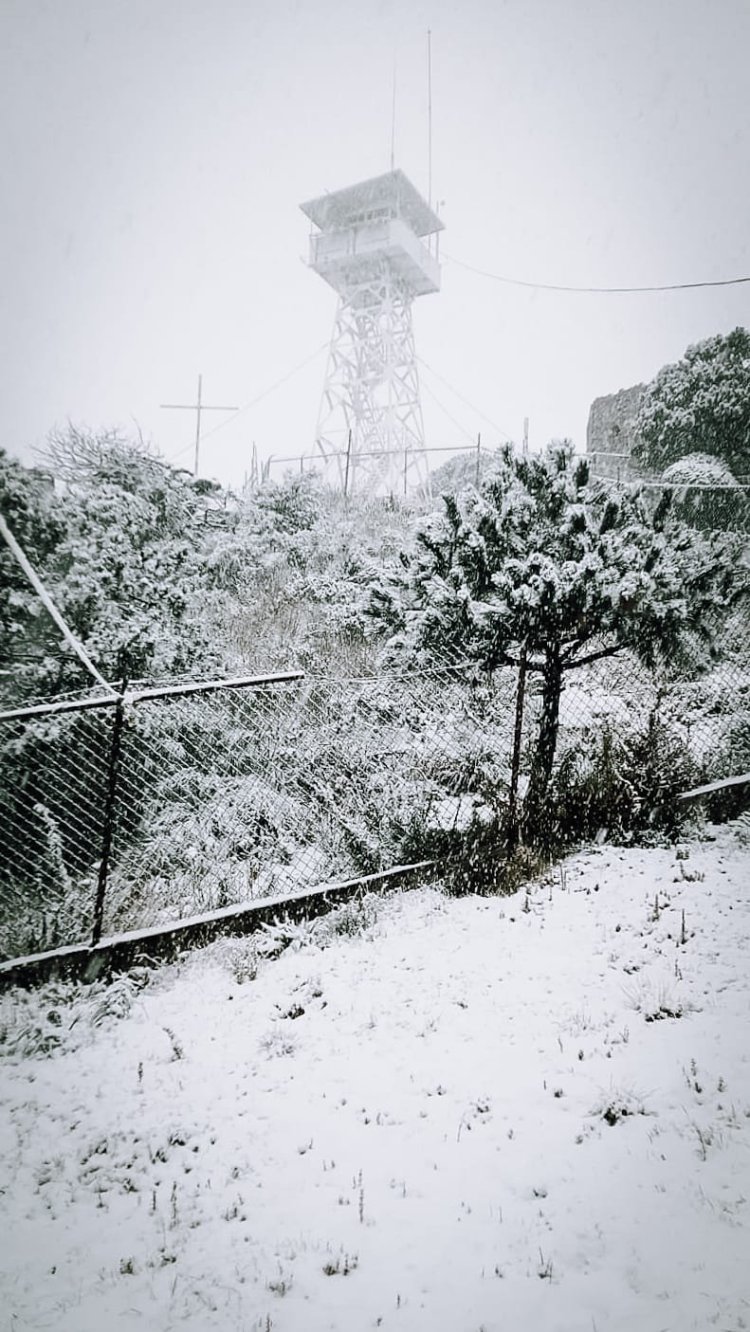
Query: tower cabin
(378, 223)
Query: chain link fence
(631, 740)
(180, 801)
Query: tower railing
(410, 259)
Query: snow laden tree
(539, 563)
(700, 405)
(130, 573)
(28, 637)
(295, 570)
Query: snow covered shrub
(732, 757)
(623, 781)
(700, 404)
(707, 494)
(713, 714)
(52, 792)
(619, 1103)
(242, 957)
(475, 858)
(294, 572)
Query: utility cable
(603, 291)
(445, 412)
(464, 400)
(253, 401)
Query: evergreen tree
(701, 404)
(130, 573)
(29, 642)
(121, 545)
(541, 562)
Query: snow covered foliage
(468, 468)
(700, 404)
(27, 636)
(539, 563)
(699, 469)
(707, 494)
(296, 567)
(120, 541)
(621, 781)
(372, 760)
(128, 574)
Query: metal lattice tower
(368, 246)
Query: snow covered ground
(475, 1114)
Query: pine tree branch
(571, 645)
(570, 663)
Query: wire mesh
(246, 793)
(53, 784)
(631, 739)
(250, 794)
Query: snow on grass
(477, 1113)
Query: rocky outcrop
(611, 433)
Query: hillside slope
(475, 1114)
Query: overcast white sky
(155, 152)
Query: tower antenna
(198, 407)
(429, 118)
(393, 117)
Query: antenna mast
(198, 407)
(393, 117)
(429, 118)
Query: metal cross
(197, 407)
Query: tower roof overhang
(394, 190)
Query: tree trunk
(546, 742)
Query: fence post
(348, 462)
(515, 766)
(109, 817)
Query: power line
(464, 400)
(445, 412)
(604, 291)
(253, 401)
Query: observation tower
(373, 243)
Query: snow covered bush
(707, 495)
(52, 795)
(28, 639)
(712, 715)
(129, 573)
(701, 404)
(295, 569)
(623, 782)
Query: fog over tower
(368, 244)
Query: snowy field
(530, 1112)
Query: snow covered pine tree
(543, 559)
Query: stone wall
(611, 433)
